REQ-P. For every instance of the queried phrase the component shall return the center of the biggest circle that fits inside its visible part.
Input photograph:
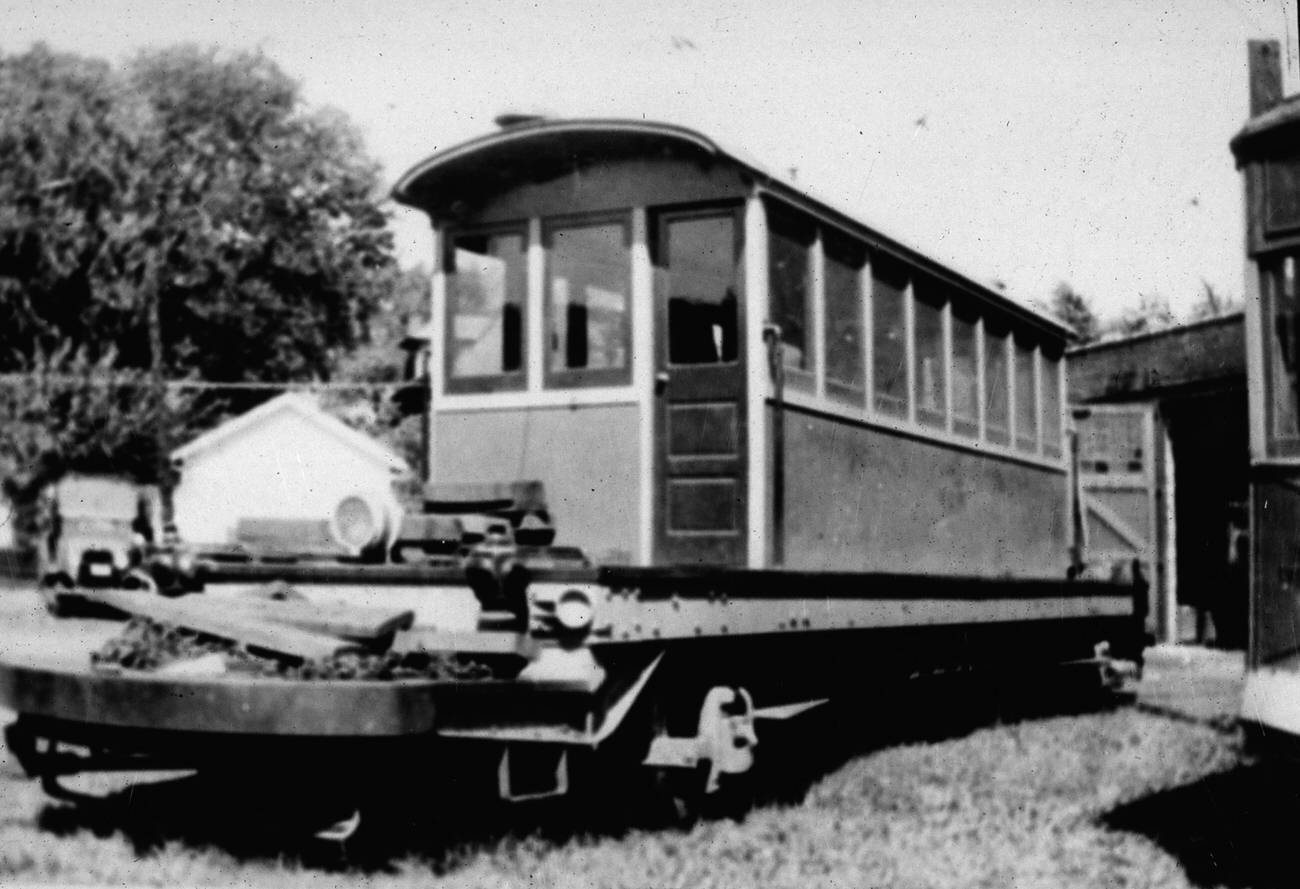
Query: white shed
(286, 458)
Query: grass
(1013, 805)
(1116, 797)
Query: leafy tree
(69, 412)
(1151, 314)
(1212, 304)
(380, 411)
(185, 214)
(1073, 310)
(192, 183)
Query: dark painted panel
(702, 505)
(1282, 194)
(864, 499)
(614, 186)
(702, 430)
(1276, 582)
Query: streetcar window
(845, 373)
(1284, 341)
(488, 279)
(587, 286)
(889, 337)
(997, 384)
(701, 275)
(929, 369)
(789, 274)
(1026, 402)
(1050, 368)
(965, 381)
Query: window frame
(1271, 271)
(933, 297)
(837, 246)
(967, 427)
(511, 381)
(584, 378)
(1024, 346)
(792, 221)
(659, 221)
(1053, 383)
(904, 296)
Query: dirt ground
(1192, 682)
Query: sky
(1026, 143)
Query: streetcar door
(700, 447)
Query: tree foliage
(1073, 310)
(194, 179)
(188, 194)
(1151, 314)
(69, 412)
(1213, 304)
(380, 361)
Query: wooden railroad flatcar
(787, 456)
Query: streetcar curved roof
(1282, 120)
(542, 149)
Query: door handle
(661, 382)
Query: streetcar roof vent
(508, 120)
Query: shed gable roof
(298, 406)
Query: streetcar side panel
(867, 499)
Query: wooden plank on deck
(363, 623)
(216, 618)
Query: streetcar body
(609, 301)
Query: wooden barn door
(700, 448)
(1119, 475)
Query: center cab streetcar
(708, 367)
(797, 455)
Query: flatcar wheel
(680, 798)
(677, 795)
(683, 794)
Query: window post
(865, 307)
(1036, 357)
(535, 303)
(1010, 345)
(979, 378)
(817, 309)
(947, 365)
(909, 347)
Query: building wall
(1196, 355)
(862, 498)
(1194, 380)
(283, 467)
(586, 455)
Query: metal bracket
(560, 776)
(725, 738)
(560, 734)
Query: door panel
(700, 452)
(1119, 482)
